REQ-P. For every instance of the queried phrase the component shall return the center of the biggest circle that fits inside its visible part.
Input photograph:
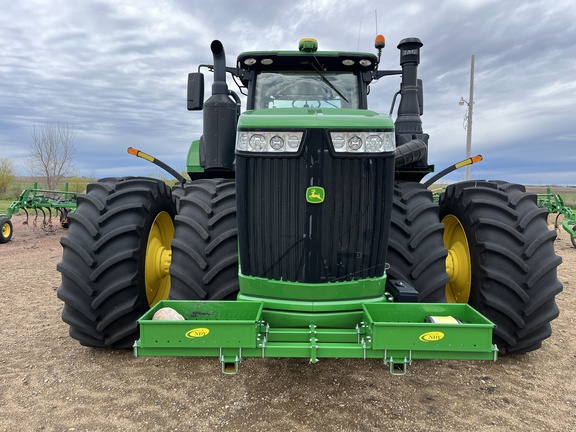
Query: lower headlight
(269, 141)
(363, 142)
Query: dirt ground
(49, 382)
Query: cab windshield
(306, 89)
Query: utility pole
(468, 125)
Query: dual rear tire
(486, 243)
(126, 249)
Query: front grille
(283, 237)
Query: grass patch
(569, 200)
(4, 204)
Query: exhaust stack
(220, 120)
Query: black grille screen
(283, 237)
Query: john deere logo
(432, 336)
(315, 195)
(197, 333)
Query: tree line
(50, 156)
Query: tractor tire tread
(204, 248)
(416, 251)
(104, 250)
(514, 266)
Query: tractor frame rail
(396, 333)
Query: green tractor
(306, 230)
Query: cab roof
(286, 60)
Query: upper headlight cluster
(275, 142)
(363, 142)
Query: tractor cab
(306, 78)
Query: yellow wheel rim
(458, 261)
(6, 231)
(158, 258)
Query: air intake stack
(408, 123)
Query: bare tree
(52, 152)
(6, 174)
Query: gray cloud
(115, 71)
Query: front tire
(416, 252)
(205, 246)
(115, 259)
(501, 260)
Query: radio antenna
(360, 25)
(379, 41)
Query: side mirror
(195, 91)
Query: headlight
(363, 142)
(269, 142)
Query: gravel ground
(49, 382)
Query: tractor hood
(317, 118)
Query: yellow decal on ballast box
(197, 332)
(432, 336)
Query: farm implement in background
(44, 203)
(555, 204)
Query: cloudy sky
(115, 72)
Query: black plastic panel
(284, 237)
